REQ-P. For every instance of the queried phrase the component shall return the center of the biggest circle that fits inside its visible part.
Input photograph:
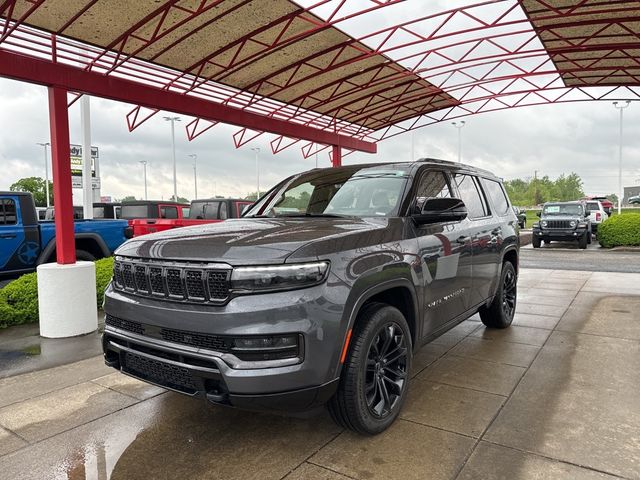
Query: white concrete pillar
(67, 299)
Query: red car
(201, 211)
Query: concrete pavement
(554, 396)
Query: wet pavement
(554, 396)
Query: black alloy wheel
(386, 370)
(509, 292)
(499, 313)
(375, 375)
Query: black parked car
(521, 214)
(564, 222)
(321, 293)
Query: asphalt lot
(553, 397)
(567, 256)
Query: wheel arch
(90, 242)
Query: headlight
(278, 277)
(543, 223)
(572, 224)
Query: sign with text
(76, 160)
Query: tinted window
(135, 211)
(497, 195)
(593, 206)
(204, 210)
(8, 212)
(168, 212)
(98, 212)
(185, 212)
(224, 214)
(471, 197)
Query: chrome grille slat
(193, 283)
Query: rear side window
(168, 212)
(593, 206)
(8, 212)
(497, 196)
(471, 196)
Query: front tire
(375, 376)
(535, 241)
(583, 241)
(499, 314)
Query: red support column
(336, 158)
(62, 193)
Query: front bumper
(282, 385)
(563, 235)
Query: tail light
(598, 216)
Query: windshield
(563, 209)
(347, 191)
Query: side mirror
(538, 214)
(587, 213)
(437, 210)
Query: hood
(244, 241)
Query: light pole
(46, 170)
(620, 106)
(144, 167)
(195, 173)
(459, 126)
(257, 151)
(173, 147)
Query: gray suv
(563, 222)
(321, 293)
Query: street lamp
(195, 173)
(620, 106)
(173, 146)
(459, 126)
(46, 170)
(257, 151)
(144, 166)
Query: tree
(128, 198)
(180, 199)
(36, 186)
(253, 196)
(540, 190)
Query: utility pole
(144, 166)
(620, 106)
(535, 183)
(173, 147)
(195, 173)
(46, 170)
(459, 126)
(257, 151)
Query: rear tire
(375, 376)
(499, 314)
(85, 256)
(535, 241)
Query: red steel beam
(336, 158)
(44, 72)
(62, 192)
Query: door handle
(463, 239)
(8, 235)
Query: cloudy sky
(552, 139)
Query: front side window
(433, 184)
(497, 196)
(471, 197)
(348, 191)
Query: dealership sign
(76, 166)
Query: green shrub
(620, 230)
(19, 299)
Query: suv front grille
(178, 282)
(558, 224)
